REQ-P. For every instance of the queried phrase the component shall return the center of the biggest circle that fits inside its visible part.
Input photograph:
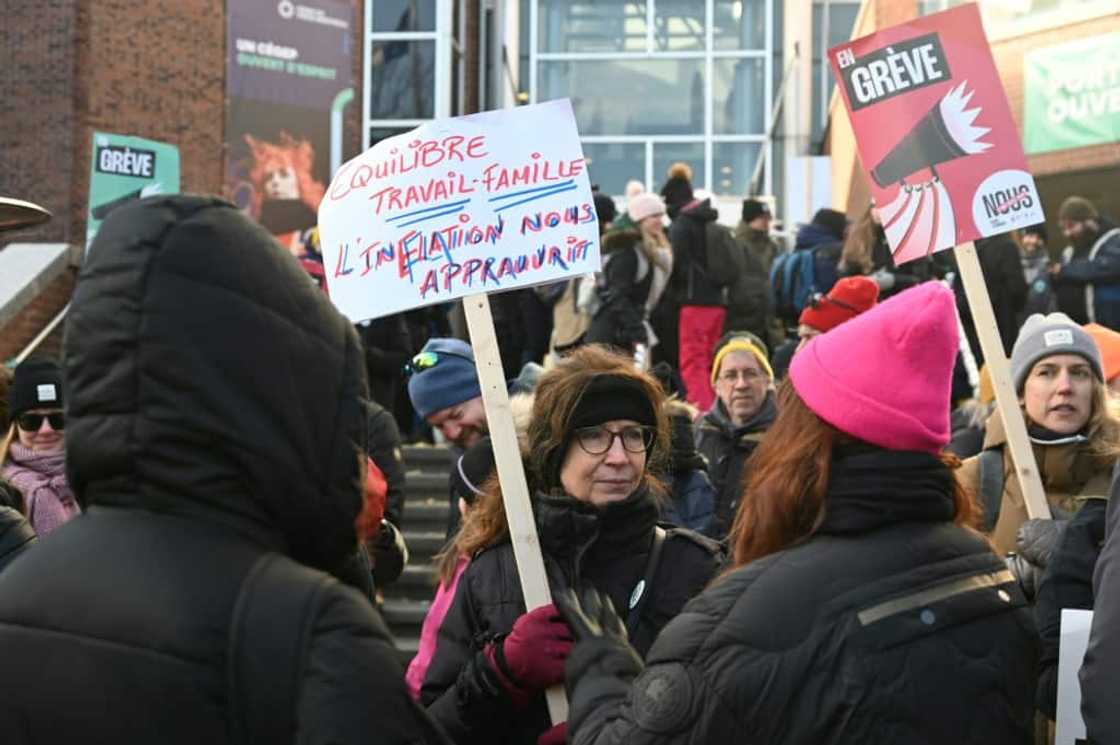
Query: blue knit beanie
(452, 380)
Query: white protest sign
(460, 206)
(1071, 653)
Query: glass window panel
(403, 15)
(739, 24)
(377, 134)
(738, 96)
(678, 26)
(666, 154)
(643, 96)
(402, 81)
(733, 166)
(591, 26)
(612, 164)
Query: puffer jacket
(694, 281)
(623, 294)
(214, 422)
(1070, 474)
(16, 535)
(889, 625)
(607, 548)
(726, 447)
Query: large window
(654, 82)
(407, 56)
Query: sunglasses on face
(32, 422)
(427, 360)
(598, 440)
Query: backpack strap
(268, 643)
(646, 588)
(991, 485)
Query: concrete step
(427, 484)
(400, 612)
(435, 457)
(425, 515)
(417, 576)
(423, 545)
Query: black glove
(389, 553)
(1036, 541)
(594, 618)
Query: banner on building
(127, 168)
(457, 207)
(1071, 94)
(935, 133)
(289, 81)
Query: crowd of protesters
(745, 468)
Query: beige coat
(1070, 474)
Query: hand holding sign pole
(455, 209)
(930, 117)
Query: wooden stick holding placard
(1007, 400)
(511, 472)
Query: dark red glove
(532, 657)
(557, 735)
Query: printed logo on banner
(472, 204)
(125, 161)
(935, 133)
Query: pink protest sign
(460, 206)
(935, 133)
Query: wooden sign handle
(1007, 400)
(511, 473)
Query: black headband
(609, 397)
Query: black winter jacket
(16, 535)
(726, 448)
(619, 320)
(384, 449)
(608, 548)
(1100, 673)
(1007, 287)
(214, 427)
(889, 625)
(693, 281)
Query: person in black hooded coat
(214, 427)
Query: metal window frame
(709, 55)
(442, 37)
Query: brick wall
(38, 121)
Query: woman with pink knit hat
(860, 606)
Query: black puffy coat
(384, 449)
(608, 548)
(213, 429)
(694, 280)
(619, 320)
(726, 448)
(16, 535)
(889, 625)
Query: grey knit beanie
(1043, 336)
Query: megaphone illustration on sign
(920, 219)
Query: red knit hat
(847, 299)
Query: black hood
(209, 379)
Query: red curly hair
(298, 155)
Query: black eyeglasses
(32, 422)
(598, 440)
(819, 298)
(427, 360)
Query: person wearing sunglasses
(444, 389)
(597, 437)
(33, 453)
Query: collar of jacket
(1064, 465)
(869, 488)
(572, 531)
(620, 240)
(760, 422)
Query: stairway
(425, 530)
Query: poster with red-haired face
(935, 133)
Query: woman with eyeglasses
(33, 453)
(597, 435)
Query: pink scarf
(42, 479)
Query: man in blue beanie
(445, 391)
